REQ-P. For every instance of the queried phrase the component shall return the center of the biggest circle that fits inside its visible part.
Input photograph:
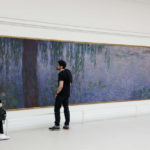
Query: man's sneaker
(66, 127)
(55, 128)
(4, 137)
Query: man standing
(62, 95)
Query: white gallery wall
(99, 21)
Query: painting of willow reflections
(101, 73)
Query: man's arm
(1, 105)
(60, 87)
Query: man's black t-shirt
(65, 76)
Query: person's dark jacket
(2, 114)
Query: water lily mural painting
(101, 73)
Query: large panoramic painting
(101, 73)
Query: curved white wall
(44, 117)
(99, 21)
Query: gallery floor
(113, 134)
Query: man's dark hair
(62, 63)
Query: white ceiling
(139, 1)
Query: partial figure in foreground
(62, 95)
(2, 120)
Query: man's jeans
(1, 127)
(62, 100)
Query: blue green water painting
(101, 73)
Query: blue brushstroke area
(11, 72)
(101, 73)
